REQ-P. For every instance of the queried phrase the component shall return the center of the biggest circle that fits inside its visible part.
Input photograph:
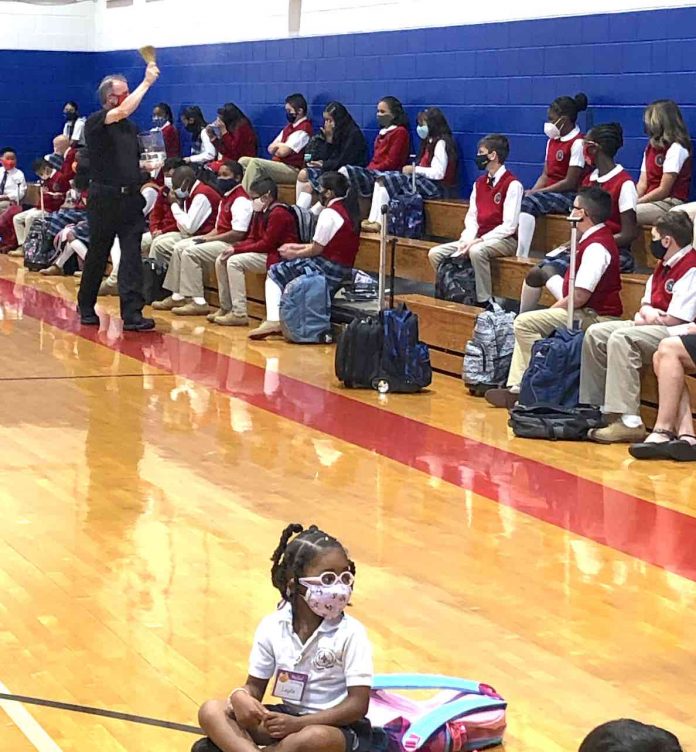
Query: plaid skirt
(81, 231)
(57, 221)
(539, 204)
(397, 183)
(336, 275)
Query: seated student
(597, 289)
(163, 120)
(626, 735)
(192, 257)
(54, 187)
(491, 222)
(392, 147)
(161, 219)
(13, 187)
(75, 242)
(613, 352)
(194, 206)
(601, 145)
(673, 436)
(273, 225)
(74, 208)
(74, 128)
(237, 137)
(340, 143)
(556, 187)
(61, 145)
(202, 149)
(436, 167)
(287, 149)
(331, 253)
(665, 174)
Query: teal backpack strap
(422, 729)
(428, 681)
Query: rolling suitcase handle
(381, 287)
(571, 281)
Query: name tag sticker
(290, 685)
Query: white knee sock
(380, 196)
(273, 293)
(304, 200)
(529, 299)
(525, 233)
(555, 286)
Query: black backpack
(38, 247)
(359, 352)
(456, 280)
(154, 272)
(542, 421)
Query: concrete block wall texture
(486, 77)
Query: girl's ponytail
(277, 570)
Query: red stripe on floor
(655, 534)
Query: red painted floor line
(655, 534)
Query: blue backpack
(305, 309)
(405, 362)
(406, 216)
(553, 375)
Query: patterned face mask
(328, 599)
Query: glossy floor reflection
(144, 481)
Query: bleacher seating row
(446, 326)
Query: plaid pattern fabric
(313, 175)
(81, 231)
(56, 221)
(336, 275)
(361, 179)
(397, 183)
(539, 204)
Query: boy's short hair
(596, 202)
(626, 735)
(678, 225)
(40, 164)
(7, 150)
(498, 143)
(262, 186)
(297, 101)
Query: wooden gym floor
(144, 480)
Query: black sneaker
(89, 318)
(139, 325)
(205, 745)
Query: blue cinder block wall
(492, 77)
(35, 86)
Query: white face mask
(257, 205)
(168, 183)
(552, 131)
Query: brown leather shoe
(266, 329)
(168, 304)
(51, 271)
(231, 319)
(618, 433)
(502, 398)
(192, 309)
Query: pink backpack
(464, 715)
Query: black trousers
(113, 215)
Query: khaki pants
(187, 266)
(612, 356)
(535, 325)
(255, 168)
(23, 222)
(162, 246)
(480, 255)
(648, 214)
(690, 210)
(231, 283)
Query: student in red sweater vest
(490, 226)
(232, 135)
(194, 206)
(665, 173)
(286, 150)
(612, 353)
(555, 188)
(332, 251)
(273, 225)
(597, 289)
(391, 149)
(163, 120)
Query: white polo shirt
(337, 656)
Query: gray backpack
(488, 354)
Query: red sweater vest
(343, 246)
(213, 197)
(606, 297)
(224, 217)
(68, 160)
(665, 277)
(269, 230)
(427, 159)
(171, 140)
(558, 158)
(654, 161)
(57, 183)
(161, 217)
(490, 201)
(391, 150)
(296, 159)
(613, 188)
(241, 142)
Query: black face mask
(657, 249)
(226, 184)
(482, 161)
(290, 116)
(384, 121)
(192, 127)
(70, 115)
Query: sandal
(655, 450)
(682, 450)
